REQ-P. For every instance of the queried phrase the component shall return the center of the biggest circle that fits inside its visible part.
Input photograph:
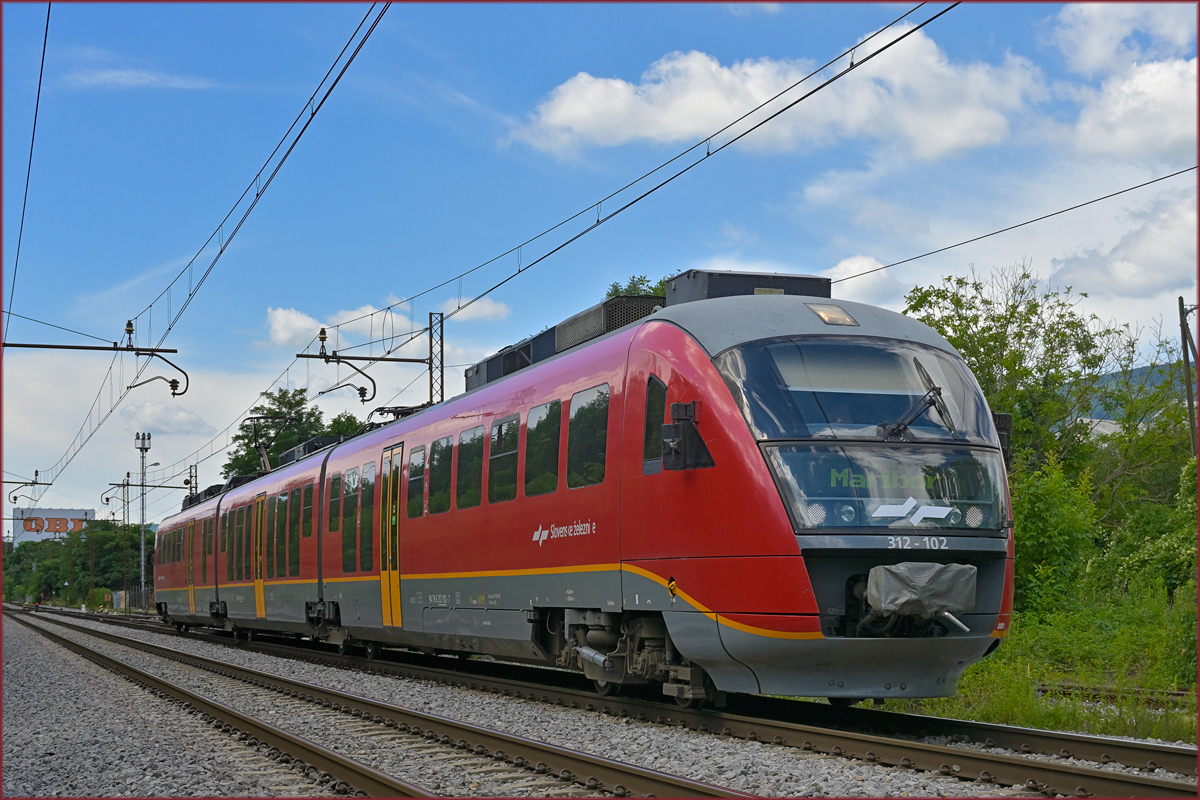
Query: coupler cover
(921, 589)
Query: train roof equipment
(617, 312)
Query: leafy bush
(1156, 543)
(1055, 522)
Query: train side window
(469, 490)
(349, 517)
(587, 437)
(306, 519)
(244, 527)
(335, 502)
(541, 448)
(439, 474)
(502, 459)
(656, 417)
(281, 531)
(366, 527)
(416, 482)
(238, 526)
(226, 547)
(295, 519)
(270, 544)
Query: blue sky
(462, 130)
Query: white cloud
(912, 94)
(887, 217)
(1147, 114)
(1104, 37)
(287, 326)
(1156, 254)
(878, 288)
(728, 263)
(160, 418)
(133, 79)
(484, 308)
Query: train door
(260, 519)
(188, 543)
(389, 538)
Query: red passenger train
(765, 492)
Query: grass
(1134, 640)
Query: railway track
(766, 720)
(521, 764)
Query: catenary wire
(416, 334)
(697, 145)
(1013, 227)
(59, 327)
(28, 170)
(647, 193)
(78, 445)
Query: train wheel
(843, 702)
(372, 651)
(690, 702)
(249, 634)
(606, 688)
(343, 647)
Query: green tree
(1034, 353)
(344, 424)
(638, 285)
(1058, 371)
(290, 421)
(1055, 521)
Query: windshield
(888, 486)
(855, 388)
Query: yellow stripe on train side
(513, 572)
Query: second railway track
(964, 761)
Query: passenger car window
(416, 482)
(366, 525)
(349, 518)
(439, 474)
(306, 517)
(470, 468)
(587, 437)
(294, 520)
(281, 533)
(541, 448)
(335, 502)
(502, 461)
(239, 541)
(270, 543)
(656, 417)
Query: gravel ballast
(744, 765)
(74, 729)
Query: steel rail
(594, 772)
(1000, 768)
(356, 775)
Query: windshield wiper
(932, 397)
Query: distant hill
(1154, 376)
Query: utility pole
(141, 441)
(1189, 352)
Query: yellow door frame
(260, 511)
(389, 536)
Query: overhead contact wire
(28, 170)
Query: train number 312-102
(917, 543)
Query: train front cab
(762, 562)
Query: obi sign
(31, 524)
